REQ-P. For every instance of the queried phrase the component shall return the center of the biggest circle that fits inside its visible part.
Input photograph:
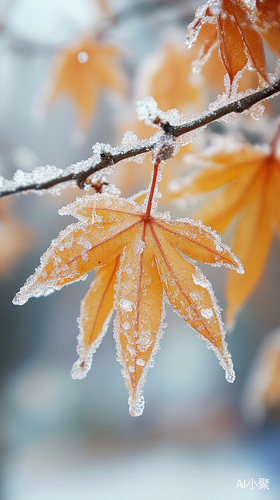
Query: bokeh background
(63, 439)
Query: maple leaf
(167, 76)
(212, 69)
(248, 179)
(268, 23)
(141, 255)
(104, 6)
(235, 33)
(83, 71)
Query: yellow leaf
(96, 311)
(275, 190)
(252, 240)
(148, 247)
(246, 185)
(172, 84)
(104, 6)
(191, 296)
(237, 36)
(82, 71)
(268, 23)
(208, 61)
(139, 304)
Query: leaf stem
(153, 186)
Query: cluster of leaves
(142, 257)
(238, 31)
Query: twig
(108, 159)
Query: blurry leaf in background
(104, 6)
(15, 240)
(83, 71)
(248, 182)
(169, 79)
(262, 392)
(167, 76)
(235, 34)
(268, 23)
(150, 264)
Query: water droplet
(83, 57)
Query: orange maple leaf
(83, 71)
(250, 182)
(213, 70)
(268, 23)
(167, 76)
(235, 33)
(139, 251)
(104, 6)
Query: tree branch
(90, 166)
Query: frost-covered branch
(104, 155)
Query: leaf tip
(81, 368)
(239, 268)
(19, 300)
(136, 405)
(230, 375)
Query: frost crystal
(126, 305)
(207, 313)
(192, 31)
(129, 142)
(41, 176)
(82, 366)
(147, 110)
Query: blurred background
(199, 437)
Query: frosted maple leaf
(244, 182)
(238, 29)
(139, 253)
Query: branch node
(107, 158)
(240, 107)
(168, 129)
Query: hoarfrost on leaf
(142, 261)
(207, 313)
(126, 305)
